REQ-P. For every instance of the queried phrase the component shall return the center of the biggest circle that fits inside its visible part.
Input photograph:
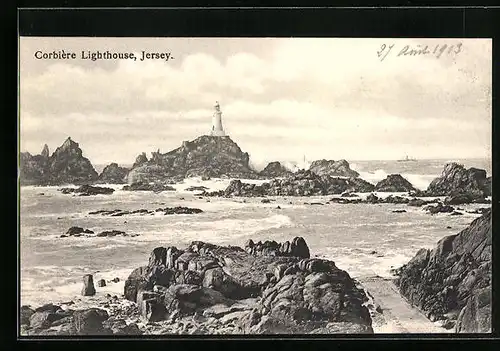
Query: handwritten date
(437, 50)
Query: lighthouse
(217, 129)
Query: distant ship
(407, 159)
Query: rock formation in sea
(65, 166)
(394, 183)
(206, 156)
(275, 170)
(302, 183)
(333, 168)
(87, 190)
(452, 282)
(142, 186)
(456, 179)
(113, 174)
(289, 292)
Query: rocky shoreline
(452, 282)
(263, 288)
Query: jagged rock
(302, 183)
(317, 293)
(332, 168)
(210, 280)
(372, 198)
(90, 321)
(45, 151)
(206, 156)
(113, 174)
(101, 283)
(119, 326)
(417, 202)
(137, 280)
(439, 208)
(111, 233)
(78, 230)
(394, 183)
(475, 317)
(187, 298)
(395, 200)
(88, 285)
(348, 194)
(455, 179)
(297, 248)
(46, 316)
(197, 188)
(140, 160)
(453, 277)
(87, 190)
(464, 198)
(156, 187)
(65, 166)
(24, 314)
(275, 170)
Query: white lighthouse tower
(217, 129)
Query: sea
(362, 239)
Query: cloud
(331, 98)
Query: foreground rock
(206, 156)
(65, 166)
(88, 190)
(394, 183)
(332, 168)
(267, 288)
(275, 170)
(456, 179)
(302, 183)
(54, 320)
(113, 174)
(452, 282)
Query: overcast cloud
(281, 98)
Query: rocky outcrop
(140, 160)
(87, 233)
(113, 174)
(332, 168)
(143, 211)
(155, 187)
(206, 156)
(274, 170)
(296, 248)
(394, 183)
(453, 281)
(302, 183)
(45, 152)
(65, 166)
(264, 288)
(456, 179)
(87, 190)
(54, 320)
(439, 208)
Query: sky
(281, 98)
